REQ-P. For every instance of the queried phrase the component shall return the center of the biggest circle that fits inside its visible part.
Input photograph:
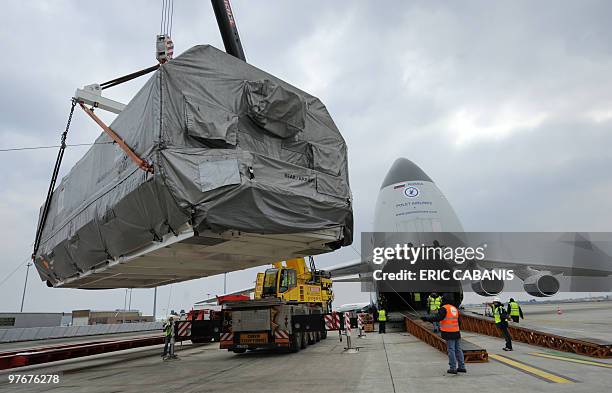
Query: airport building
(92, 317)
(9, 320)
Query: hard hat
(496, 299)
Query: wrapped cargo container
(247, 170)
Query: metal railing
(422, 330)
(46, 333)
(30, 356)
(581, 346)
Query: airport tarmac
(395, 362)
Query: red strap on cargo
(142, 164)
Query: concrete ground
(395, 362)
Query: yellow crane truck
(287, 311)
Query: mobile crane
(286, 313)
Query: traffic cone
(559, 312)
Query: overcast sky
(506, 105)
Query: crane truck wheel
(303, 340)
(295, 343)
(311, 338)
(240, 350)
(323, 334)
(317, 336)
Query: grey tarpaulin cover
(233, 148)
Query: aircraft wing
(350, 271)
(553, 269)
(348, 268)
(570, 254)
(356, 267)
(353, 278)
(548, 263)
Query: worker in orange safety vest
(448, 316)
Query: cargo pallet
(582, 346)
(423, 331)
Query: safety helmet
(496, 299)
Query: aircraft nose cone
(404, 170)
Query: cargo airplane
(410, 204)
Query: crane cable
(53, 146)
(171, 16)
(165, 25)
(163, 16)
(7, 277)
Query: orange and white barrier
(332, 321)
(347, 323)
(360, 323)
(347, 328)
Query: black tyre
(295, 343)
(240, 350)
(303, 340)
(317, 336)
(323, 334)
(311, 339)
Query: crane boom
(227, 28)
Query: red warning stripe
(183, 328)
(281, 334)
(332, 321)
(347, 322)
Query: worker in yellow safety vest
(382, 321)
(434, 301)
(515, 310)
(167, 327)
(501, 322)
(448, 317)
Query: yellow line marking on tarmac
(573, 360)
(535, 371)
